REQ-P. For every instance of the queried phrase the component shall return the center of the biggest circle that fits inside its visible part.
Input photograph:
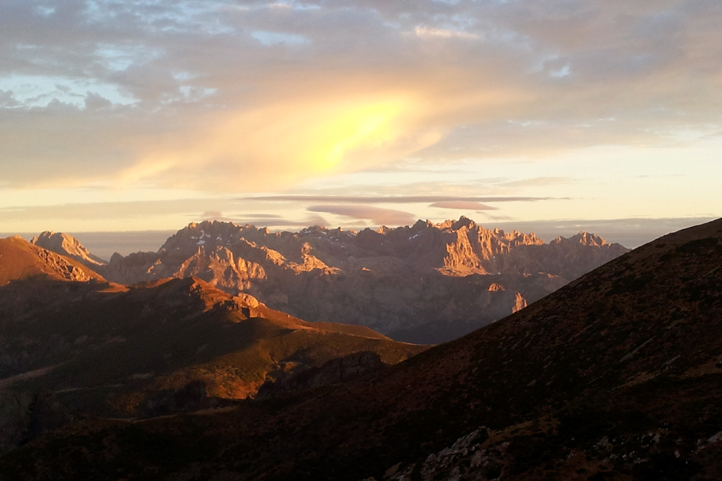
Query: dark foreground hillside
(618, 375)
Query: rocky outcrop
(335, 371)
(191, 397)
(63, 268)
(465, 459)
(68, 246)
(24, 416)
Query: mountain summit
(67, 245)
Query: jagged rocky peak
(449, 225)
(420, 225)
(464, 225)
(463, 222)
(203, 234)
(66, 245)
(206, 236)
(313, 231)
(585, 239)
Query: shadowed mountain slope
(427, 283)
(109, 350)
(616, 376)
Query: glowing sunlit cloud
(377, 215)
(463, 205)
(322, 124)
(280, 144)
(429, 32)
(143, 170)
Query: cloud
(268, 220)
(499, 218)
(400, 199)
(215, 215)
(280, 222)
(260, 216)
(422, 31)
(257, 97)
(377, 215)
(463, 205)
(630, 232)
(285, 140)
(536, 182)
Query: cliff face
(424, 283)
(68, 246)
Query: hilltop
(20, 259)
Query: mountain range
(617, 375)
(427, 283)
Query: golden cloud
(282, 138)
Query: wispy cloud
(461, 204)
(377, 215)
(537, 182)
(401, 199)
(215, 215)
(287, 223)
(275, 221)
(423, 31)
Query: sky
(550, 115)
